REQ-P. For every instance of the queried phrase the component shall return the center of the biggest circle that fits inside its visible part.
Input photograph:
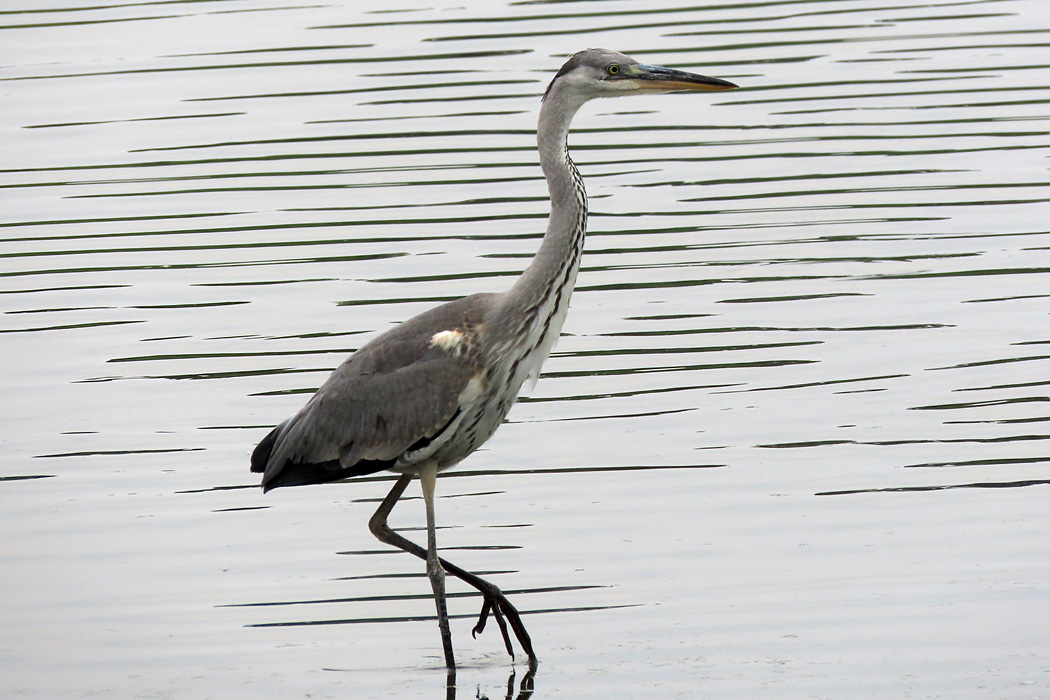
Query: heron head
(603, 73)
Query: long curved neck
(528, 321)
(551, 275)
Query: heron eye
(613, 69)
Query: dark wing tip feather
(261, 453)
(300, 474)
(303, 473)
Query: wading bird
(420, 397)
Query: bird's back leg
(495, 601)
(436, 574)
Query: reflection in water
(521, 692)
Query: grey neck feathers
(552, 273)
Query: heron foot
(504, 611)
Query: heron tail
(261, 453)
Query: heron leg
(435, 572)
(384, 533)
(494, 599)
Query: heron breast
(473, 390)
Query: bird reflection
(519, 691)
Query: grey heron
(423, 395)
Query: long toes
(502, 627)
(495, 605)
(480, 627)
(519, 631)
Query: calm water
(793, 443)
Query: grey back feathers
(389, 400)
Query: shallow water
(792, 442)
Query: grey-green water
(793, 443)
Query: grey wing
(390, 398)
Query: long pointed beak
(660, 79)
